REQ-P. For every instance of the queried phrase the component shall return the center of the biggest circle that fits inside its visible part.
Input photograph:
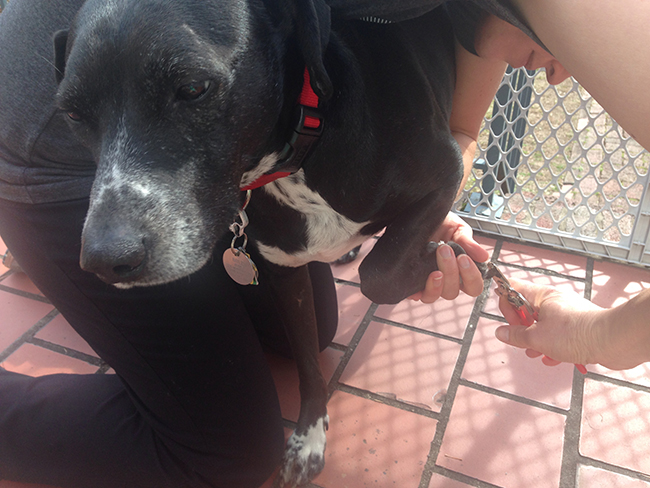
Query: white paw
(304, 456)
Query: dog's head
(178, 101)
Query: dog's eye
(193, 91)
(74, 116)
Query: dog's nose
(114, 258)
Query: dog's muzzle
(118, 256)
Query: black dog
(186, 103)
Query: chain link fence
(554, 168)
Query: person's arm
(477, 81)
(572, 329)
(603, 44)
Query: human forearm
(477, 81)
(623, 333)
(467, 146)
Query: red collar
(305, 133)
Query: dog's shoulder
(294, 224)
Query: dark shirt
(40, 160)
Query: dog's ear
(60, 46)
(313, 24)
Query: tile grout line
(337, 347)
(613, 468)
(351, 347)
(336, 385)
(430, 466)
(103, 369)
(24, 294)
(416, 330)
(340, 281)
(617, 382)
(28, 335)
(512, 397)
(542, 271)
(589, 279)
(570, 464)
(65, 351)
(454, 383)
(571, 436)
(396, 403)
(573, 456)
(494, 317)
(463, 478)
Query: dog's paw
(304, 456)
(458, 250)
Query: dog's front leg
(304, 456)
(402, 259)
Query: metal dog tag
(236, 261)
(240, 267)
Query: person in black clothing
(193, 402)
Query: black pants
(193, 403)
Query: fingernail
(445, 252)
(503, 334)
(437, 281)
(463, 261)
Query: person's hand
(564, 332)
(454, 273)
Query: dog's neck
(306, 129)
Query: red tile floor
(424, 395)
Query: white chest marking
(329, 234)
(265, 165)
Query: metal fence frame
(504, 173)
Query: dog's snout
(114, 258)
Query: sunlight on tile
(589, 477)
(639, 375)
(614, 284)
(492, 363)
(535, 257)
(503, 442)
(447, 317)
(616, 425)
(403, 365)
(371, 444)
